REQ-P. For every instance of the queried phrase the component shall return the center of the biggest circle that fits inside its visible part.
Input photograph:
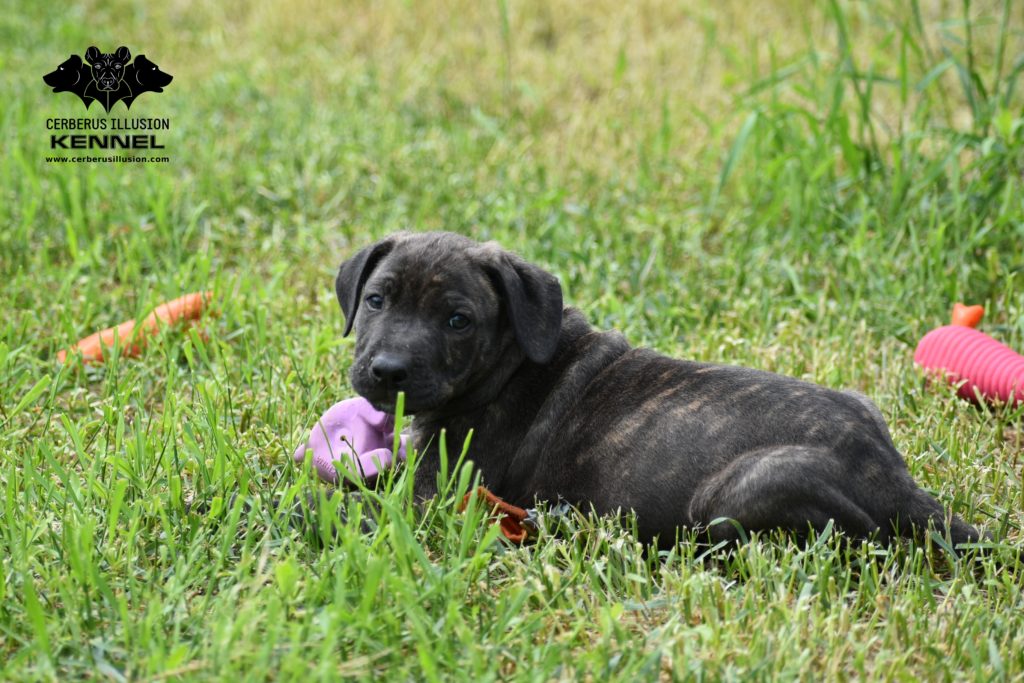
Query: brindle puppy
(477, 339)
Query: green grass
(800, 188)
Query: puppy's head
(437, 315)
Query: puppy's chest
(491, 439)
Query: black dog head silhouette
(71, 76)
(108, 68)
(145, 76)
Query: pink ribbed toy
(959, 352)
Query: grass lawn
(799, 187)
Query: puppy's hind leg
(786, 487)
(919, 509)
(922, 511)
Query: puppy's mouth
(418, 398)
(387, 401)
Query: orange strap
(509, 516)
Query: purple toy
(356, 430)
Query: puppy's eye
(458, 322)
(375, 301)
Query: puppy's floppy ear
(533, 298)
(123, 54)
(354, 273)
(92, 54)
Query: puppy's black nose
(390, 368)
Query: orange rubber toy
(131, 336)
